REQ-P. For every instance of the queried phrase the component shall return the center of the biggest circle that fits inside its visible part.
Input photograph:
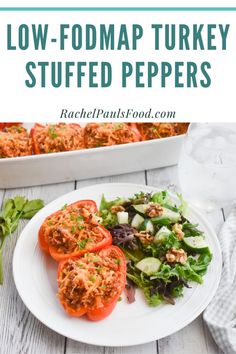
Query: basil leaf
(31, 208)
(13, 210)
(8, 208)
(19, 202)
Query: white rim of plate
(192, 316)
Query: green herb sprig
(13, 210)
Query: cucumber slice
(197, 243)
(149, 227)
(162, 234)
(141, 208)
(123, 217)
(172, 215)
(167, 214)
(149, 265)
(137, 221)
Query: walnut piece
(174, 255)
(154, 210)
(117, 208)
(144, 237)
(177, 229)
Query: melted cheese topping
(59, 137)
(91, 281)
(15, 142)
(72, 229)
(151, 131)
(107, 134)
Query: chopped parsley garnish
(93, 278)
(73, 229)
(52, 132)
(64, 207)
(83, 243)
(79, 220)
(19, 129)
(117, 126)
(154, 129)
(98, 268)
(80, 227)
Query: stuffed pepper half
(73, 231)
(56, 138)
(14, 142)
(93, 283)
(107, 134)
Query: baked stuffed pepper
(107, 134)
(151, 131)
(73, 231)
(15, 142)
(57, 137)
(92, 284)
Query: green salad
(164, 250)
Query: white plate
(129, 324)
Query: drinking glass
(207, 166)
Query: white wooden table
(21, 332)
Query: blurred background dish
(63, 166)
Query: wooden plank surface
(20, 332)
(138, 177)
(2, 191)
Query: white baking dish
(91, 163)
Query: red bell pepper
(134, 128)
(58, 255)
(6, 125)
(102, 306)
(35, 145)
